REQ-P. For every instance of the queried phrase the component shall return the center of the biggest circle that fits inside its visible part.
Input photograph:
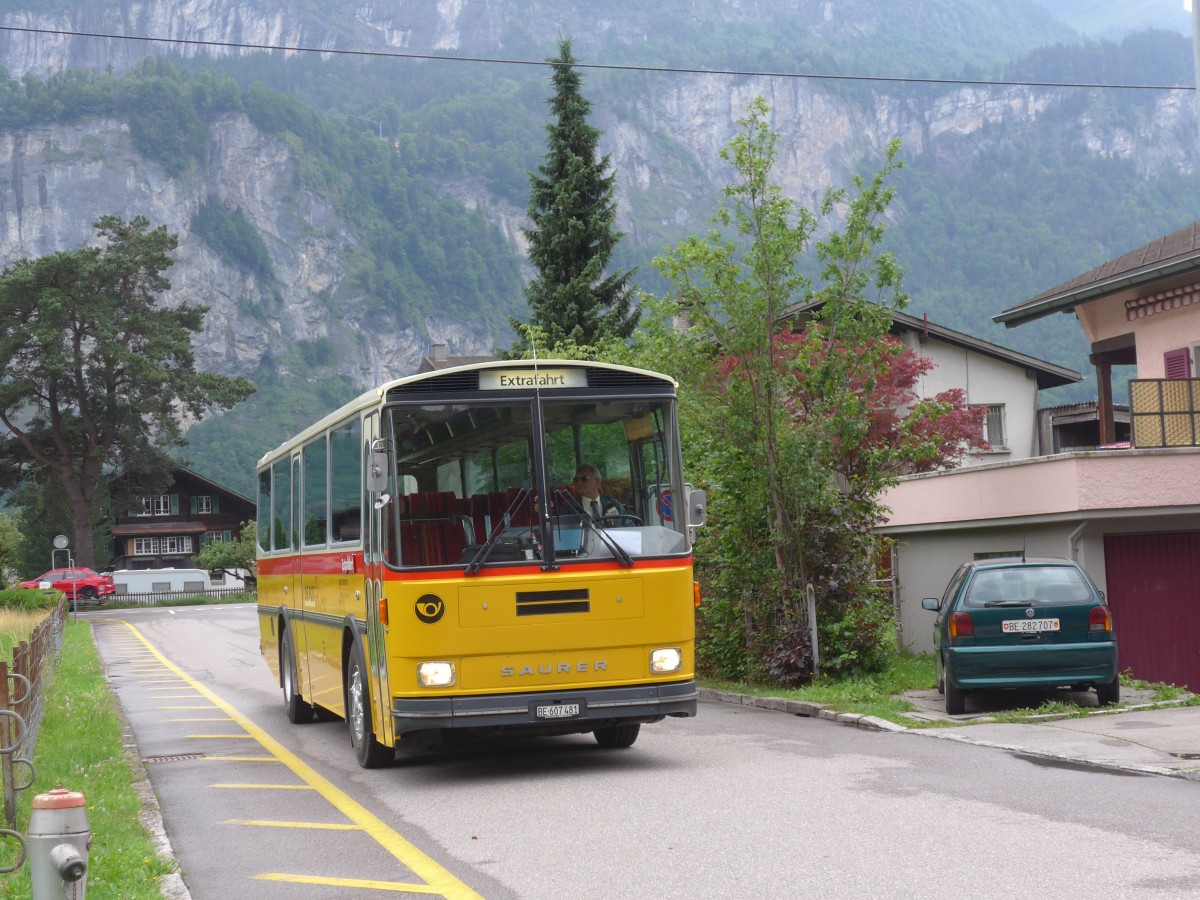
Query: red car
(87, 584)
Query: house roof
(1048, 374)
(1175, 254)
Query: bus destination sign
(514, 379)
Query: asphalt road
(738, 802)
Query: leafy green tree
(234, 557)
(791, 432)
(96, 372)
(10, 549)
(573, 212)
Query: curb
(172, 884)
(805, 708)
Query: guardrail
(154, 598)
(22, 694)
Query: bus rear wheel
(370, 753)
(298, 710)
(617, 736)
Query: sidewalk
(1136, 737)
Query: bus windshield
(477, 484)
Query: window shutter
(174, 504)
(216, 503)
(1177, 363)
(228, 536)
(194, 501)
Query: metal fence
(157, 598)
(22, 694)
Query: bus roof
(375, 395)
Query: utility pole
(1195, 4)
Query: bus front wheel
(617, 736)
(370, 753)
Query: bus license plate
(557, 711)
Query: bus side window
(345, 466)
(281, 505)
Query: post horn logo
(430, 608)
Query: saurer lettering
(563, 668)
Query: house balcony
(1063, 487)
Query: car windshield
(1028, 585)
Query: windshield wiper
(1013, 603)
(485, 551)
(564, 497)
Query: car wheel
(956, 699)
(88, 593)
(1109, 694)
(617, 736)
(941, 675)
(298, 710)
(370, 753)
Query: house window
(216, 537)
(204, 504)
(177, 544)
(143, 506)
(993, 426)
(145, 546)
(162, 505)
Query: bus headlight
(435, 674)
(666, 659)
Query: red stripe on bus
(331, 564)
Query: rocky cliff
(58, 179)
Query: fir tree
(572, 239)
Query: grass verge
(17, 625)
(80, 747)
(870, 695)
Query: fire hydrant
(59, 840)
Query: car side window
(952, 587)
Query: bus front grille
(545, 603)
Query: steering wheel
(617, 520)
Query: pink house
(1130, 513)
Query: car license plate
(557, 711)
(1028, 626)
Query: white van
(161, 581)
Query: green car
(1006, 623)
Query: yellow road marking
(237, 737)
(323, 826)
(393, 886)
(265, 787)
(440, 881)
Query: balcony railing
(1165, 412)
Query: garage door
(1154, 591)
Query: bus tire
(299, 711)
(617, 736)
(370, 753)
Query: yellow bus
(427, 569)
